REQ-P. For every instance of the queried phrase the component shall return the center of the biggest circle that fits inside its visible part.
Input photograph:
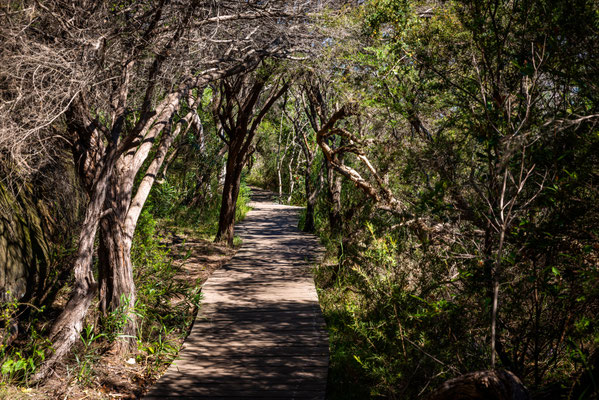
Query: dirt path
(260, 333)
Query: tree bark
(67, 328)
(311, 190)
(334, 183)
(117, 288)
(310, 202)
(290, 171)
(280, 158)
(226, 220)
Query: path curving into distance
(260, 333)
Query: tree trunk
(197, 195)
(334, 183)
(279, 167)
(311, 190)
(310, 200)
(240, 130)
(117, 289)
(279, 157)
(226, 221)
(482, 385)
(290, 171)
(309, 221)
(280, 181)
(67, 328)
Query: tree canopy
(446, 153)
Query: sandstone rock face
(23, 248)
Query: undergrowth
(165, 307)
(389, 336)
(203, 220)
(21, 354)
(399, 326)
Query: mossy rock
(23, 246)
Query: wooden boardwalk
(260, 333)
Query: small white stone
(131, 361)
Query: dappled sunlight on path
(260, 332)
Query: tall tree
(240, 105)
(309, 148)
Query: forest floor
(98, 372)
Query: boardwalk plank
(260, 333)
(255, 363)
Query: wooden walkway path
(260, 333)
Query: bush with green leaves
(393, 330)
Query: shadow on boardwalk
(260, 333)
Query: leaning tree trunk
(67, 328)
(117, 289)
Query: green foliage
(86, 356)
(147, 249)
(243, 201)
(160, 351)
(155, 280)
(165, 199)
(114, 322)
(456, 115)
(19, 360)
(391, 334)
(279, 152)
(385, 16)
(165, 305)
(17, 367)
